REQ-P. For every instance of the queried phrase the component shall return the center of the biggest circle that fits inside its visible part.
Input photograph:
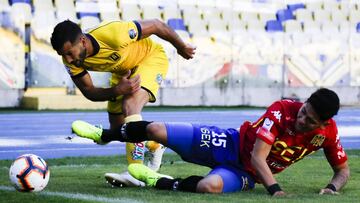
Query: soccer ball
(29, 173)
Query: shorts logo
(159, 78)
(132, 34)
(115, 56)
(317, 140)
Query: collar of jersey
(94, 43)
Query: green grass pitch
(81, 179)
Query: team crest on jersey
(318, 140)
(115, 56)
(132, 34)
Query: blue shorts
(212, 147)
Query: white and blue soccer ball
(29, 173)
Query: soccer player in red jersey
(286, 133)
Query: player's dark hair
(63, 32)
(325, 102)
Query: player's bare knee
(210, 185)
(156, 131)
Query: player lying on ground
(285, 134)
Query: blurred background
(249, 52)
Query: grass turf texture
(81, 179)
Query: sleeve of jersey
(73, 70)
(120, 34)
(334, 151)
(269, 124)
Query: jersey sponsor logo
(318, 140)
(277, 115)
(115, 56)
(132, 34)
(268, 124)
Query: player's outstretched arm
(162, 30)
(341, 175)
(258, 160)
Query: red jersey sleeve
(269, 123)
(333, 149)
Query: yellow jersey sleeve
(118, 34)
(73, 70)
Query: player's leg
(152, 71)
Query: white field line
(79, 196)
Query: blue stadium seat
(176, 24)
(274, 26)
(284, 14)
(84, 14)
(358, 27)
(293, 7)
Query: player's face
(307, 119)
(74, 53)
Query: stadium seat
(176, 24)
(109, 10)
(274, 26)
(266, 16)
(292, 26)
(229, 15)
(210, 13)
(330, 28)
(284, 14)
(190, 13)
(249, 16)
(255, 26)
(303, 15)
(89, 20)
(198, 27)
(130, 11)
(171, 11)
(65, 9)
(151, 11)
(322, 15)
(339, 16)
(331, 6)
(354, 17)
(312, 27)
(293, 7)
(314, 5)
(237, 26)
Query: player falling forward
(125, 50)
(285, 134)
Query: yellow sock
(152, 145)
(134, 151)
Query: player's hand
(187, 51)
(328, 191)
(128, 85)
(279, 194)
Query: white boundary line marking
(78, 196)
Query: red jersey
(277, 128)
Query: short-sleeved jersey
(277, 128)
(117, 48)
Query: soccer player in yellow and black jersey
(137, 63)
